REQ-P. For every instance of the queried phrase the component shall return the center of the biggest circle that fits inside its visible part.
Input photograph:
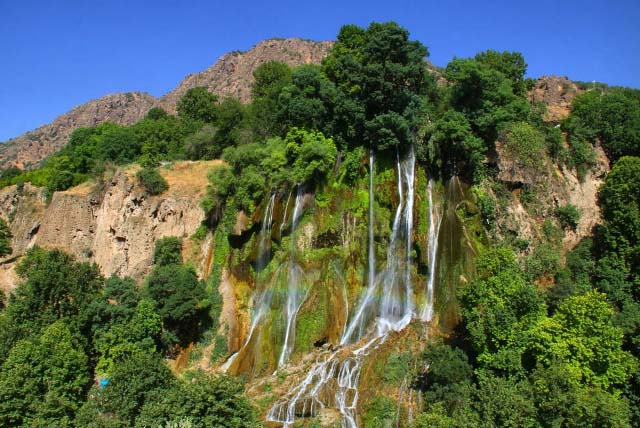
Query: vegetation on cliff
(527, 335)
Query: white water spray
(263, 300)
(435, 218)
(334, 380)
(295, 297)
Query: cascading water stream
(435, 218)
(396, 306)
(295, 296)
(263, 300)
(334, 381)
(359, 320)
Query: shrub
(167, 251)
(152, 181)
(568, 216)
(524, 144)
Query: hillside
(231, 75)
(363, 243)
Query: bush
(167, 251)
(568, 216)
(524, 144)
(152, 181)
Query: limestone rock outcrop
(116, 228)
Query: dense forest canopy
(546, 338)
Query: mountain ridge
(230, 75)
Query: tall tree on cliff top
(381, 80)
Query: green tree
(380, 76)
(152, 181)
(207, 401)
(447, 383)
(582, 336)
(499, 307)
(156, 113)
(230, 116)
(613, 117)
(269, 80)
(454, 148)
(308, 101)
(502, 402)
(198, 104)
(167, 250)
(524, 144)
(178, 296)
(134, 379)
(485, 96)
(311, 155)
(55, 287)
(202, 144)
(510, 64)
(44, 380)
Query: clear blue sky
(59, 54)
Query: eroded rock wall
(116, 229)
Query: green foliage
(202, 144)
(568, 216)
(612, 116)
(198, 104)
(504, 402)
(269, 80)
(397, 368)
(178, 296)
(43, 380)
(619, 200)
(133, 380)
(487, 206)
(380, 413)
(499, 307)
(152, 181)
(454, 146)
(230, 116)
(5, 238)
(311, 155)
(447, 383)
(545, 261)
(308, 101)
(167, 250)
(524, 144)
(560, 402)
(485, 96)
(575, 277)
(207, 401)
(581, 335)
(55, 287)
(510, 64)
(380, 77)
(156, 113)
(116, 305)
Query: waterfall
(334, 380)
(359, 321)
(371, 277)
(295, 297)
(396, 305)
(263, 300)
(435, 218)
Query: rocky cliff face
(115, 229)
(231, 75)
(556, 93)
(27, 150)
